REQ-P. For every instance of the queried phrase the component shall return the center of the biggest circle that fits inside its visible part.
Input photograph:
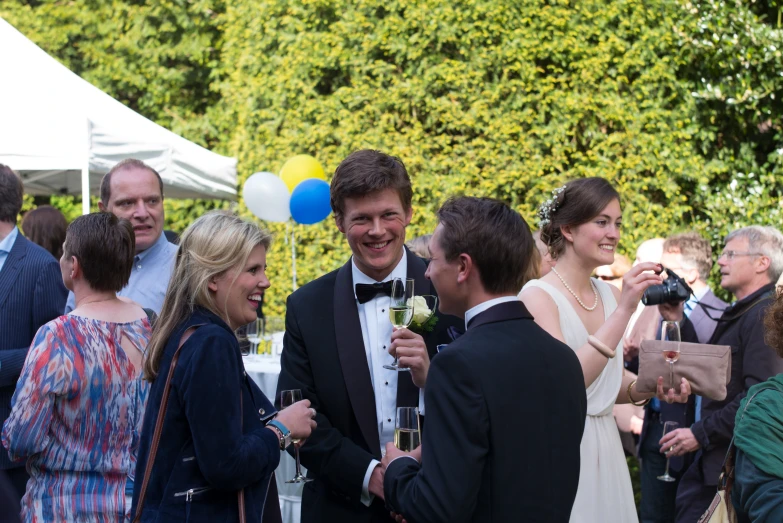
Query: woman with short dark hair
(79, 402)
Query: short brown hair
(773, 321)
(46, 227)
(105, 246)
(695, 251)
(125, 164)
(579, 202)
(11, 194)
(365, 172)
(495, 236)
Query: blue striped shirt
(6, 245)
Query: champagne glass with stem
(288, 398)
(670, 331)
(406, 429)
(400, 311)
(669, 426)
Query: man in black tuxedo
(506, 402)
(690, 257)
(339, 337)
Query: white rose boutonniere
(424, 318)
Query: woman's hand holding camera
(638, 280)
(299, 419)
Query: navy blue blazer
(31, 294)
(202, 449)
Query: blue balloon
(310, 201)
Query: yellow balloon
(300, 168)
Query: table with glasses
(265, 370)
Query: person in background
(690, 257)
(31, 294)
(420, 246)
(750, 264)
(546, 262)
(219, 441)
(758, 437)
(613, 274)
(79, 402)
(133, 190)
(46, 226)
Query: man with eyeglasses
(750, 264)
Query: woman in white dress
(581, 227)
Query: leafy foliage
(677, 103)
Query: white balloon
(267, 196)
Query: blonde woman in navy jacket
(209, 449)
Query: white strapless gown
(605, 494)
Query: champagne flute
(406, 429)
(253, 332)
(400, 311)
(670, 331)
(669, 426)
(288, 398)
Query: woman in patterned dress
(79, 401)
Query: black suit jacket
(324, 356)
(506, 407)
(752, 361)
(31, 294)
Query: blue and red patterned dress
(76, 418)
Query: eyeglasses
(730, 255)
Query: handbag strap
(159, 423)
(241, 493)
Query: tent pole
(86, 174)
(293, 255)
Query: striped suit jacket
(31, 294)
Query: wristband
(283, 431)
(600, 347)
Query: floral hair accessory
(547, 208)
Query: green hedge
(677, 103)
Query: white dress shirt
(376, 334)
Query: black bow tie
(367, 291)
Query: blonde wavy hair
(214, 244)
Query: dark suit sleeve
(455, 449)
(332, 457)
(48, 303)
(759, 363)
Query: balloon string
(293, 256)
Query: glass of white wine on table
(670, 331)
(400, 311)
(288, 398)
(407, 436)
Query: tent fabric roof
(53, 125)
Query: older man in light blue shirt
(134, 191)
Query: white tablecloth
(265, 370)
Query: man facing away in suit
(506, 402)
(31, 294)
(339, 337)
(690, 257)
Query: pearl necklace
(592, 286)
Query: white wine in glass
(406, 429)
(400, 311)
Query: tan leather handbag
(706, 367)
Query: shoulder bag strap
(159, 423)
(241, 493)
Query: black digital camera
(673, 290)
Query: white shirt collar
(400, 271)
(481, 307)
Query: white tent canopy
(62, 134)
